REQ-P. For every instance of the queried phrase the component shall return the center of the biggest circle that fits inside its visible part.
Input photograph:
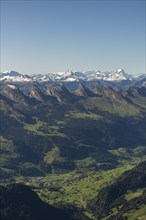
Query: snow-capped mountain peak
(11, 73)
(13, 76)
(120, 70)
(7, 71)
(68, 76)
(119, 75)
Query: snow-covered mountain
(13, 76)
(140, 76)
(70, 76)
(94, 76)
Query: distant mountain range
(117, 79)
(70, 76)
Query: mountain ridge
(85, 136)
(117, 75)
(69, 126)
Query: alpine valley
(73, 146)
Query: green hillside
(68, 147)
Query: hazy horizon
(49, 72)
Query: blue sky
(50, 36)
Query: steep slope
(113, 196)
(135, 95)
(15, 94)
(112, 95)
(60, 92)
(20, 202)
(83, 91)
(37, 94)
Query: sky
(51, 36)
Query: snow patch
(11, 86)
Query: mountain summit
(117, 79)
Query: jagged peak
(83, 91)
(120, 70)
(35, 92)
